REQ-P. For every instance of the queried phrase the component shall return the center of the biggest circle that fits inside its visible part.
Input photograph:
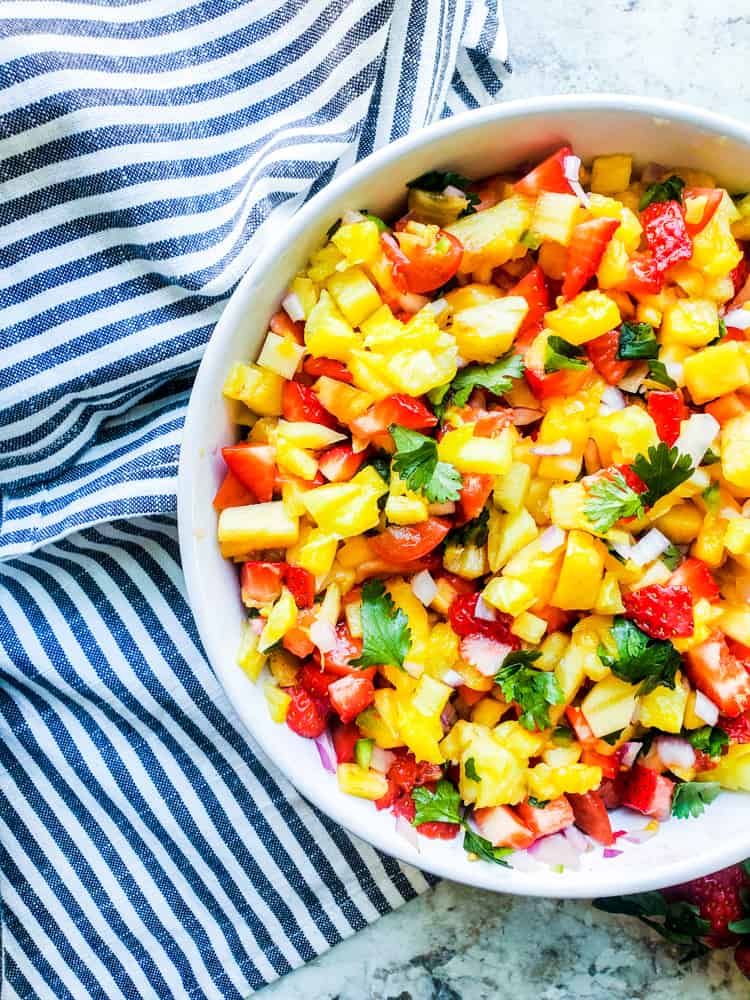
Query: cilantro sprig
(669, 190)
(671, 556)
(470, 768)
(691, 798)
(658, 373)
(416, 462)
(640, 659)
(385, 629)
(662, 471)
(637, 340)
(496, 378)
(710, 740)
(476, 844)
(609, 499)
(533, 690)
(677, 922)
(561, 355)
(444, 806)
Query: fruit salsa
(490, 506)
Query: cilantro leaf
(438, 180)
(682, 922)
(712, 497)
(559, 355)
(496, 378)
(657, 372)
(474, 532)
(474, 844)
(538, 803)
(385, 629)
(609, 499)
(721, 334)
(470, 768)
(710, 740)
(710, 458)
(637, 340)
(691, 797)
(416, 462)
(668, 190)
(381, 463)
(663, 471)
(441, 806)
(671, 556)
(652, 662)
(740, 926)
(534, 690)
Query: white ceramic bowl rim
(611, 880)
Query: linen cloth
(146, 148)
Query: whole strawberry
(719, 898)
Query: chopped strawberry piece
(609, 763)
(464, 621)
(648, 792)
(407, 773)
(484, 654)
(737, 729)
(350, 695)
(232, 493)
(503, 828)
(644, 276)
(580, 726)
(533, 288)
(587, 245)
(408, 542)
(719, 898)
(667, 409)
(661, 612)
(633, 480)
(590, 813)
(719, 675)
(339, 659)
(697, 577)
(555, 816)
(328, 367)
(438, 830)
(254, 465)
(612, 791)
(283, 326)
(469, 696)
(299, 402)
(713, 198)
(344, 741)
(340, 463)
(260, 583)
(315, 680)
(548, 176)
(307, 714)
(301, 584)
(602, 352)
(665, 233)
(562, 383)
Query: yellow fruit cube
(366, 369)
(406, 510)
(343, 509)
(382, 329)
(547, 782)
(509, 595)
(567, 507)
(581, 574)
(256, 387)
(536, 568)
(315, 551)
(417, 371)
(521, 742)
(587, 316)
(715, 250)
(490, 238)
(735, 622)
(281, 355)
(503, 775)
(613, 267)
(327, 333)
(359, 242)
(486, 331)
(554, 217)
(623, 435)
(324, 262)
(561, 756)
(306, 292)
(507, 535)
(709, 545)
(354, 294)
(735, 451)
(564, 420)
(488, 712)
(258, 526)
(467, 561)
(281, 618)
(511, 489)
(473, 294)
(737, 536)
(609, 598)
(552, 650)
(629, 231)
(369, 476)
(365, 784)
(296, 461)
(664, 708)
(609, 705)
(610, 174)
(529, 627)
(249, 657)
(373, 726)
(278, 702)
(468, 453)
(733, 769)
(694, 322)
(681, 523)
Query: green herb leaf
(381, 463)
(385, 629)
(710, 740)
(609, 499)
(669, 190)
(721, 334)
(470, 769)
(712, 497)
(496, 378)
(658, 373)
(441, 806)
(652, 662)
(416, 462)
(740, 926)
(691, 797)
(663, 471)
(474, 844)
(438, 180)
(671, 556)
(682, 922)
(534, 690)
(710, 458)
(560, 355)
(474, 532)
(562, 736)
(637, 340)
(538, 803)
(531, 240)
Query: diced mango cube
(343, 509)
(509, 595)
(716, 370)
(327, 333)
(587, 316)
(486, 331)
(468, 453)
(511, 489)
(529, 627)
(581, 574)
(406, 510)
(732, 770)
(610, 174)
(694, 322)
(609, 705)
(315, 551)
(735, 451)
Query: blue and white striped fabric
(147, 849)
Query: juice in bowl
(486, 515)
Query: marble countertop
(457, 943)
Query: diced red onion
(613, 399)
(631, 749)
(561, 447)
(483, 611)
(576, 839)
(640, 836)
(524, 415)
(649, 548)
(623, 549)
(411, 302)
(521, 861)
(555, 850)
(326, 752)
(293, 307)
(256, 625)
(676, 371)
(611, 852)
(572, 171)
(381, 759)
(484, 654)
(441, 509)
(705, 709)
(454, 192)
(351, 216)
(738, 318)
(323, 635)
(424, 587)
(696, 435)
(452, 678)
(552, 538)
(634, 379)
(674, 751)
(652, 172)
(407, 831)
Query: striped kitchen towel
(146, 148)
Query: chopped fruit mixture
(490, 506)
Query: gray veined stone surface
(462, 944)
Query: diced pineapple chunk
(281, 355)
(296, 461)
(587, 316)
(664, 708)
(735, 451)
(609, 705)
(547, 782)
(561, 756)
(466, 561)
(694, 322)
(365, 784)
(503, 775)
(486, 331)
(324, 262)
(373, 726)
(306, 292)
(737, 536)
(369, 476)
(368, 376)
(536, 568)
(249, 657)
(468, 453)
(529, 627)
(259, 526)
(567, 507)
(623, 435)
(521, 742)
(564, 420)
(327, 333)
(609, 598)
(406, 510)
(344, 401)
(490, 238)
(343, 509)
(256, 387)
(613, 267)
(509, 595)
(278, 702)
(488, 712)
(681, 523)
(508, 534)
(715, 250)
(735, 622)
(354, 294)
(733, 769)
(581, 574)
(281, 618)
(305, 434)
(610, 174)
(473, 294)
(709, 545)
(554, 217)
(359, 242)
(511, 489)
(315, 551)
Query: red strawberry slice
(661, 612)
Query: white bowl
(477, 144)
